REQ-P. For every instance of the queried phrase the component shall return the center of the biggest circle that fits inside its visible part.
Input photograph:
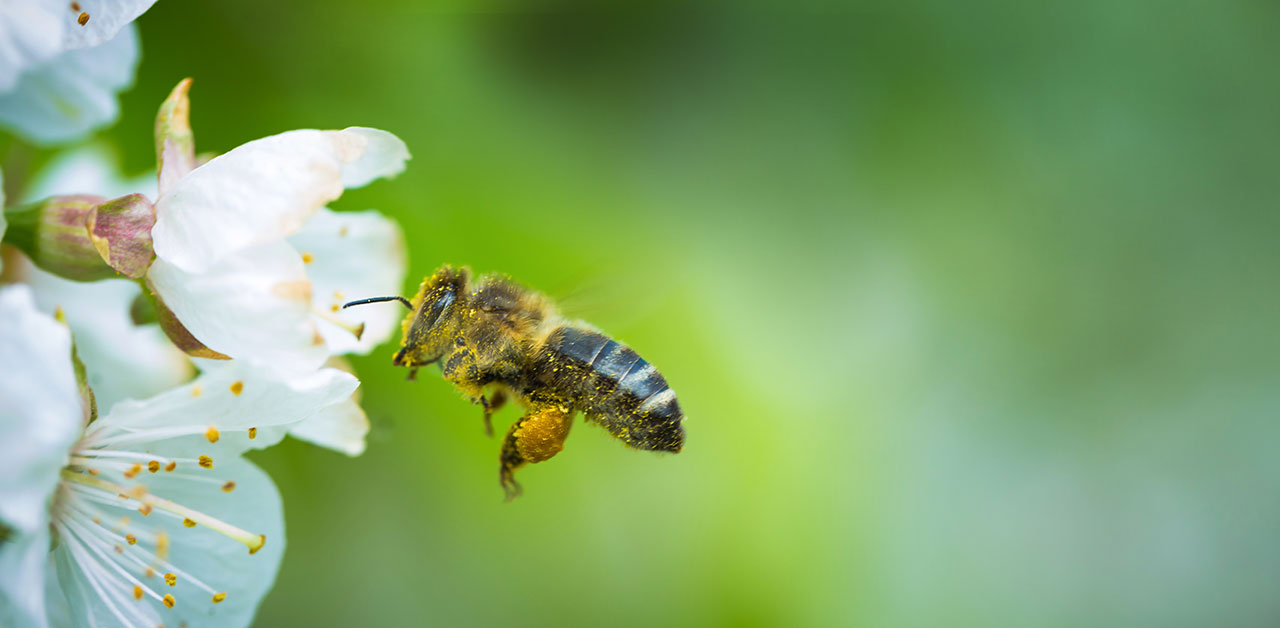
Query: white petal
(354, 255)
(121, 360)
(73, 93)
(341, 427)
(265, 190)
(219, 562)
(106, 18)
(42, 416)
(22, 579)
(232, 399)
(30, 32)
(91, 169)
(254, 304)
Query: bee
(494, 336)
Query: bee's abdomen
(617, 388)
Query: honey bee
(495, 335)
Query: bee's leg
(536, 437)
(491, 405)
(413, 374)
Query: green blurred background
(972, 309)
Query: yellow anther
(213, 435)
(168, 600)
(196, 390)
(149, 573)
(171, 580)
(93, 471)
(229, 486)
(137, 592)
(307, 258)
(334, 308)
(97, 521)
(145, 510)
(59, 315)
(82, 19)
(189, 523)
(170, 467)
(133, 540)
(205, 462)
(138, 492)
(153, 466)
(237, 387)
(218, 597)
(253, 433)
(342, 233)
(133, 471)
(162, 546)
(262, 540)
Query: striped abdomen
(615, 387)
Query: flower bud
(121, 231)
(175, 144)
(52, 233)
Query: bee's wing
(614, 301)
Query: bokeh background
(972, 309)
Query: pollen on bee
(168, 600)
(137, 592)
(132, 540)
(153, 466)
(82, 19)
(205, 461)
(219, 597)
(189, 523)
(307, 258)
(213, 435)
(171, 466)
(229, 486)
(237, 388)
(253, 433)
(171, 579)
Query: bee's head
(430, 328)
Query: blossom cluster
(151, 332)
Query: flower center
(118, 557)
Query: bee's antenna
(378, 300)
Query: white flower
(145, 505)
(251, 262)
(62, 63)
(122, 360)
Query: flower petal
(30, 32)
(351, 255)
(93, 168)
(340, 427)
(22, 579)
(42, 416)
(231, 398)
(73, 93)
(105, 19)
(254, 304)
(122, 360)
(217, 561)
(266, 189)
